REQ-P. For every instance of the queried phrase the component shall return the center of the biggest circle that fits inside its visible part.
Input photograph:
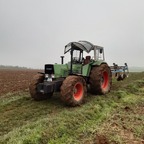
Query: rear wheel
(100, 79)
(73, 90)
(39, 78)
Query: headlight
(46, 75)
(53, 76)
(49, 77)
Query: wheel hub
(78, 91)
(75, 90)
(104, 80)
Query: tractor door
(76, 60)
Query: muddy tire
(121, 77)
(33, 88)
(124, 76)
(73, 90)
(100, 79)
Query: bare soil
(15, 80)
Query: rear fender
(87, 68)
(98, 63)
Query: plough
(119, 72)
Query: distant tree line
(12, 67)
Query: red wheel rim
(105, 80)
(78, 91)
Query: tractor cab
(83, 53)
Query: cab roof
(81, 45)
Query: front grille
(49, 69)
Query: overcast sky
(34, 32)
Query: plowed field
(115, 118)
(15, 80)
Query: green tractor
(76, 77)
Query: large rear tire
(39, 78)
(100, 79)
(73, 90)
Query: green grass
(117, 117)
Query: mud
(15, 80)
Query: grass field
(116, 118)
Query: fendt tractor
(75, 77)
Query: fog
(34, 32)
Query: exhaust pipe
(62, 59)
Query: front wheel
(73, 90)
(39, 78)
(100, 79)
